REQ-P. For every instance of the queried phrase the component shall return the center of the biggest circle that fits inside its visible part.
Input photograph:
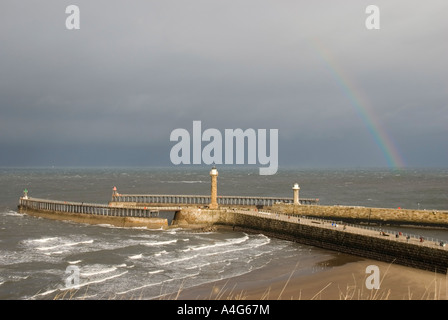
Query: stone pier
(96, 213)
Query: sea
(43, 259)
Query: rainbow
(361, 105)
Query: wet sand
(341, 277)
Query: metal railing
(92, 208)
(205, 199)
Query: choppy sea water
(132, 263)
(123, 263)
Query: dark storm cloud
(136, 70)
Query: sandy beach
(341, 277)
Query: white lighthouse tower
(296, 189)
(214, 189)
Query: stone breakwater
(150, 223)
(352, 240)
(119, 216)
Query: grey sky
(111, 92)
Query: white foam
(158, 243)
(44, 239)
(203, 265)
(79, 286)
(137, 256)
(13, 213)
(98, 281)
(85, 297)
(179, 260)
(157, 283)
(157, 254)
(44, 293)
(96, 272)
(141, 287)
(70, 244)
(106, 225)
(192, 267)
(156, 271)
(240, 248)
(182, 277)
(55, 252)
(227, 242)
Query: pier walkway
(375, 232)
(205, 200)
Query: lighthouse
(114, 193)
(214, 189)
(296, 189)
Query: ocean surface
(43, 259)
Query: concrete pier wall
(368, 215)
(150, 223)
